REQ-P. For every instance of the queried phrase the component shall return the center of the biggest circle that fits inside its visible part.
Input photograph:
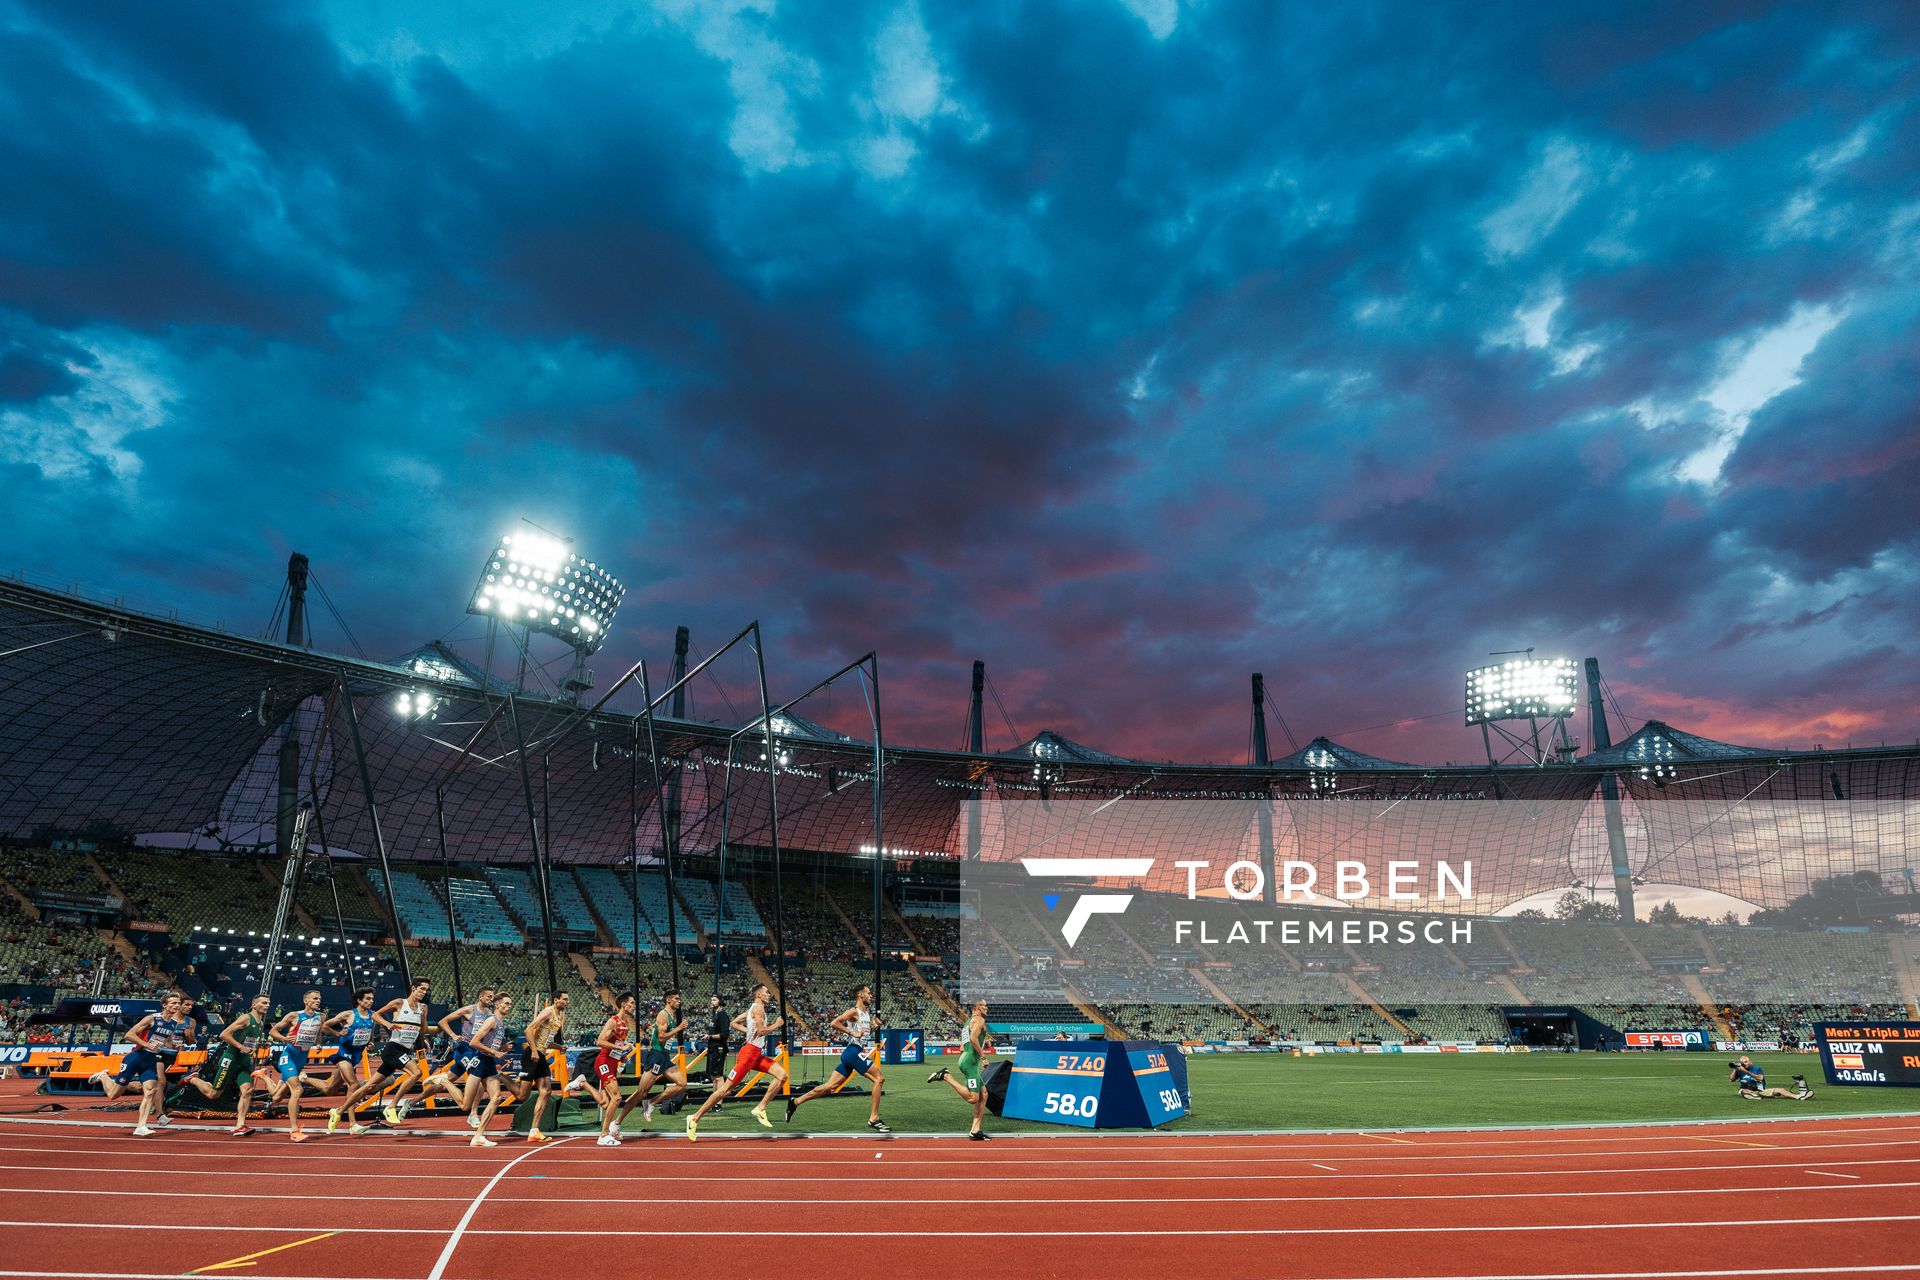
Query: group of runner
(474, 1077)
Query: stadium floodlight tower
(534, 583)
(1524, 688)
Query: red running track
(80, 1196)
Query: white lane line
(177, 1169)
(974, 1233)
(570, 1198)
(466, 1219)
(1891, 1268)
(1427, 1153)
(1582, 1132)
(1329, 1168)
(1825, 1174)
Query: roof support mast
(976, 743)
(1262, 760)
(289, 798)
(1610, 795)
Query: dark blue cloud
(1342, 342)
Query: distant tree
(1665, 913)
(1574, 905)
(1834, 900)
(1730, 919)
(1531, 913)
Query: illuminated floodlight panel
(1523, 689)
(533, 581)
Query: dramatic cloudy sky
(1131, 345)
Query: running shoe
(939, 1074)
(878, 1126)
(760, 1114)
(473, 1119)
(99, 1078)
(161, 1122)
(792, 1107)
(646, 1111)
(143, 1131)
(693, 1129)
(333, 1120)
(573, 1086)
(390, 1114)
(406, 1105)
(298, 1135)
(534, 1135)
(481, 1140)
(978, 1135)
(605, 1140)
(242, 1131)
(357, 1129)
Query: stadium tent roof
(1048, 745)
(435, 661)
(1661, 743)
(790, 728)
(113, 722)
(1324, 753)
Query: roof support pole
(289, 799)
(653, 763)
(1262, 760)
(283, 906)
(879, 828)
(773, 835)
(1610, 796)
(379, 841)
(333, 883)
(677, 708)
(446, 880)
(539, 846)
(976, 743)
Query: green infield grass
(1381, 1091)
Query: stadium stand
(516, 887)
(62, 870)
(188, 890)
(610, 894)
(520, 975)
(658, 909)
(422, 913)
(740, 922)
(482, 920)
(59, 960)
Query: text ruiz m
(1352, 881)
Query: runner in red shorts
(754, 1029)
(616, 1046)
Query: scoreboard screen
(1886, 1053)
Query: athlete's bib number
(1071, 1104)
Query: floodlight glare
(533, 581)
(1523, 689)
(417, 704)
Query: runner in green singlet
(238, 1046)
(979, 1045)
(657, 1061)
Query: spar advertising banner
(1668, 1039)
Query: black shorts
(535, 1065)
(395, 1058)
(656, 1063)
